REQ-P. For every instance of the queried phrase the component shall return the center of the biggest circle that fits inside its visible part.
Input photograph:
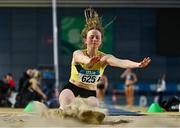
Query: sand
(16, 118)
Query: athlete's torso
(87, 77)
(129, 79)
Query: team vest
(86, 75)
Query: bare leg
(126, 94)
(92, 101)
(65, 98)
(129, 92)
(131, 95)
(80, 108)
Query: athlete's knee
(66, 96)
(93, 101)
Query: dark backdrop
(26, 41)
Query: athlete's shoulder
(101, 53)
(79, 51)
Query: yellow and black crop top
(83, 74)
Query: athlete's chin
(95, 46)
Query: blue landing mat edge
(112, 111)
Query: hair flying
(93, 21)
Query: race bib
(89, 76)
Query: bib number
(88, 77)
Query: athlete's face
(93, 39)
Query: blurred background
(142, 28)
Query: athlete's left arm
(124, 63)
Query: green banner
(71, 39)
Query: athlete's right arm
(79, 57)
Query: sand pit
(16, 118)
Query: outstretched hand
(145, 62)
(93, 60)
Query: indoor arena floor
(16, 118)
